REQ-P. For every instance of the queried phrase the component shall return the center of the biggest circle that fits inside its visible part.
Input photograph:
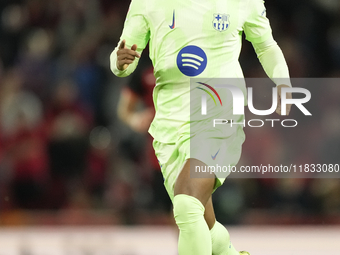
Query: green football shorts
(216, 151)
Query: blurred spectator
(35, 62)
(23, 141)
(68, 123)
(136, 110)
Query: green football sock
(194, 235)
(220, 239)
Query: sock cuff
(214, 228)
(188, 199)
(218, 229)
(220, 240)
(187, 209)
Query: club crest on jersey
(221, 22)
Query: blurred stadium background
(67, 162)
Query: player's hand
(126, 56)
(288, 96)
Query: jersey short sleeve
(136, 28)
(256, 26)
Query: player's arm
(259, 33)
(275, 66)
(135, 36)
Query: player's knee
(187, 209)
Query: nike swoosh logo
(214, 157)
(173, 21)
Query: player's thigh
(209, 214)
(200, 188)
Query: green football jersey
(189, 38)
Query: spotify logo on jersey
(191, 60)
